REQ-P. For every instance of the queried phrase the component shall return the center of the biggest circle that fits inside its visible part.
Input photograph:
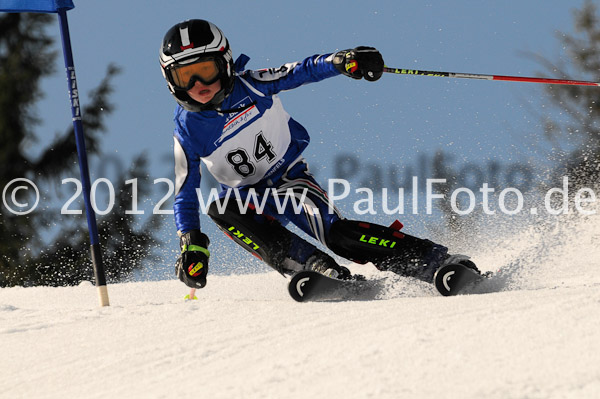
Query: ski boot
(322, 263)
(461, 259)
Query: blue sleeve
(289, 76)
(187, 180)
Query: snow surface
(531, 332)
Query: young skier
(232, 120)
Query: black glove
(192, 265)
(360, 62)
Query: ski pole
(401, 71)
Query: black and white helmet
(191, 42)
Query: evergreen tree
(576, 136)
(26, 57)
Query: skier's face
(204, 93)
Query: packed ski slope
(533, 332)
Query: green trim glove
(192, 264)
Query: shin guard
(386, 247)
(264, 237)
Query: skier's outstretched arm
(192, 265)
(357, 63)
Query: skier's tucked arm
(357, 63)
(192, 265)
(187, 180)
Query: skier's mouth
(204, 92)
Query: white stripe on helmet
(185, 36)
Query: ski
(312, 286)
(454, 279)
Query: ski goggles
(183, 76)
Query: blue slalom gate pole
(96, 253)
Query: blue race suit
(252, 147)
